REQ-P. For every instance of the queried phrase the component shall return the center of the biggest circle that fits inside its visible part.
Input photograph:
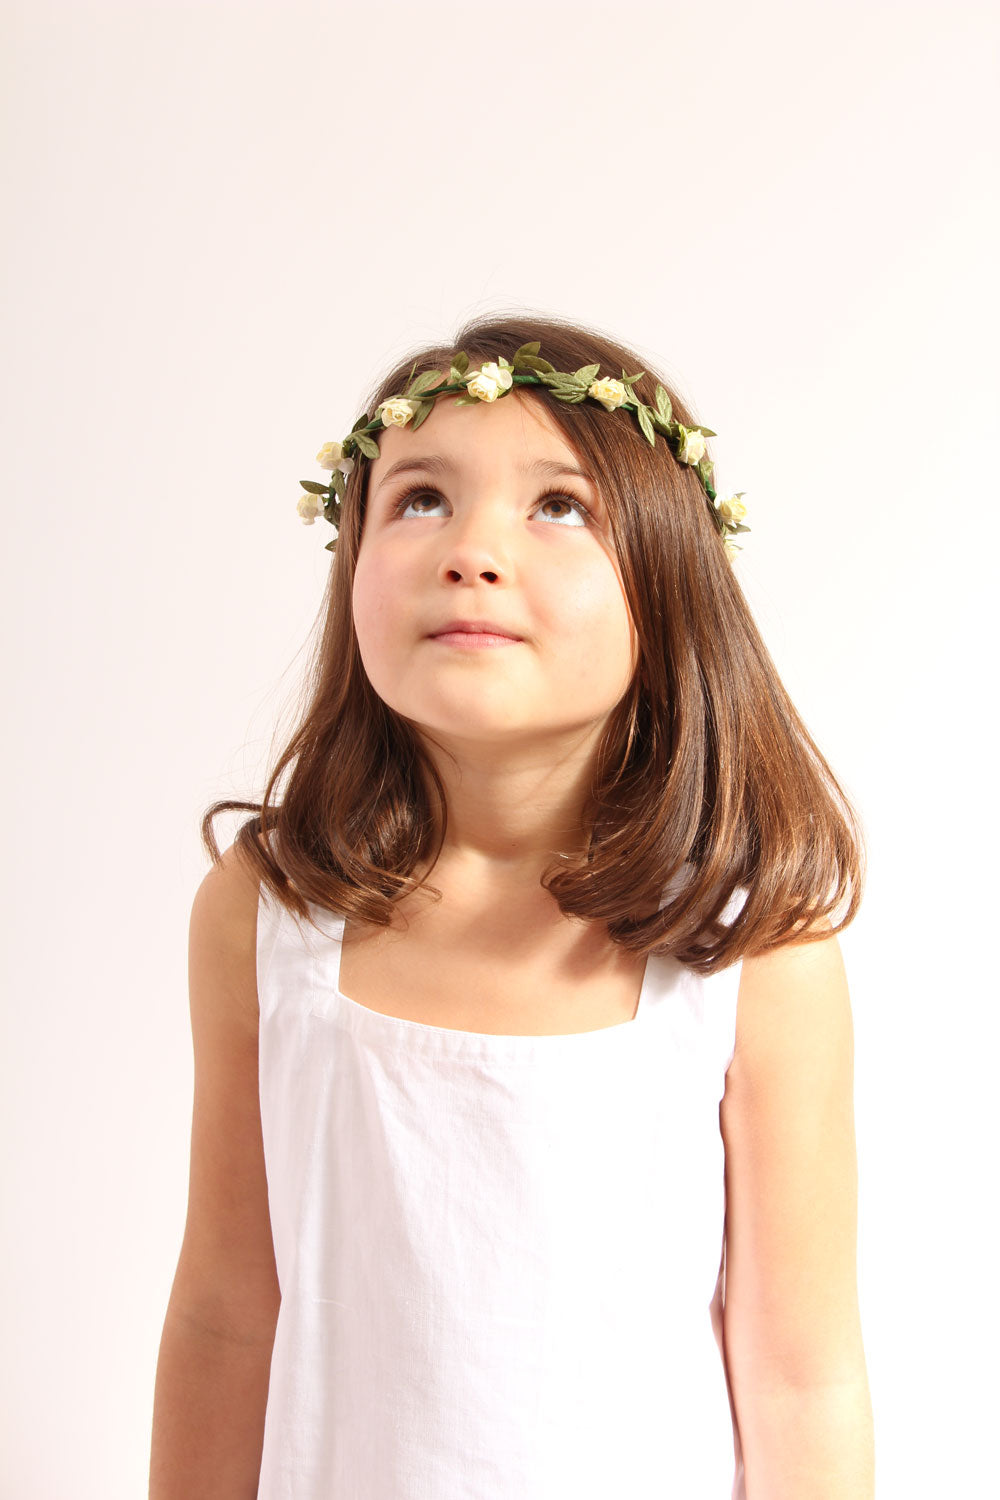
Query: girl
(523, 1161)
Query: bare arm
(215, 1353)
(791, 1324)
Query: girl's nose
(477, 542)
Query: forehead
(515, 429)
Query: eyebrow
(435, 464)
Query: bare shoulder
(223, 935)
(231, 887)
(793, 1000)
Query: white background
(223, 221)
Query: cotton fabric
(501, 1258)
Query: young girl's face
(481, 541)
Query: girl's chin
(494, 729)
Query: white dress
(501, 1258)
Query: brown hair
(706, 779)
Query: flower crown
(488, 383)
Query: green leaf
(314, 488)
(645, 422)
(558, 381)
(467, 401)
(367, 444)
(706, 430)
(587, 373)
(459, 366)
(331, 546)
(423, 383)
(529, 362)
(361, 422)
(421, 414)
(630, 380)
(663, 405)
(339, 483)
(705, 467)
(527, 349)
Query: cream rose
(396, 412)
(489, 382)
(732, 509)
(732, 551)
(692, 449)
(329, 455)
(309, 507)
(610, 393)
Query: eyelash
(424, 489)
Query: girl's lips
(473, 640)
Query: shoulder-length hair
(707, 784)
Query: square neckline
(355, 1007)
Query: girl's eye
(577, 505)
(419, 491)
